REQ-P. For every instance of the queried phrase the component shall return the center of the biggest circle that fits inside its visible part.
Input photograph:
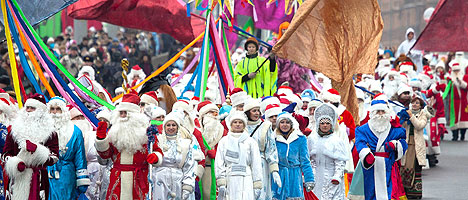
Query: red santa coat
(35, 173)
(348, 120)
(129, 175)
(460, 102)
(437, 123)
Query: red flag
(446, 31)
(151, 15)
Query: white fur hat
(360, 94)
(289, 117)
(238, 97)
(406, 67)
(415, 83)
(236, 115)
(251, 103)
(5, 106)
(60, 102)
(156, 111)
(375, 86)
(104, 114)
(173, 116)
(314, 103)
(182, 105)
(119, 90)
(285, 90)
(405, 88)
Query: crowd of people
(273, 138)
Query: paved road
(449, 179)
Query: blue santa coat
(364, 139)
(71, 167)
(293, 162)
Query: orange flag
(338, 38)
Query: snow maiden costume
(238, 165)
(293, 161)
(174, 176)
(328, 156)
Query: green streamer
(452, 109)
(213, 177)
(447, 89)
(59, 65)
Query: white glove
(221, 192)
(185, 194)
(276, 178)
(257, 193)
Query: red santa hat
(5, 106)
(136, 70)
(251, 104)
(295, 98)
(205, 107)
(268, 101)
(380, 102)
(456, 66)
(331, 95)
(284, 102)
(37, 101)
(129, 103)
(285, 90)
(150, 98)
(182, 105)
(272, 110)
(74, 112)
(238, 96)
(406, 67)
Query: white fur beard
(64, 128)
(211, 129)
(454, 77)
(129, 134)
(34, 126)
(379, 123)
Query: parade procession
(233, 99)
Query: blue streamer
(219, 71)
(53, 68)
(188, 9)
(200, 7)
(24, 63)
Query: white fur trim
(251, 104)
(187, 187)
(292, 137)
(126, 185)
(274, 167)
(362, 156)
(379, 106)
(331, 97)
(102, 145)
(36, 104)
(11, 166)
(148, 99)
(180, 105)
(200, 170)
(104, 114)
(406, 68)
(83, 181)
(441, 120)
(160, 158)
(39, 157)
(205, 109)
(220, 182)
(257, 185)
(87, 69)
(126, 158)
(399, 148)
(126, 106)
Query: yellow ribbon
(11, 55)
